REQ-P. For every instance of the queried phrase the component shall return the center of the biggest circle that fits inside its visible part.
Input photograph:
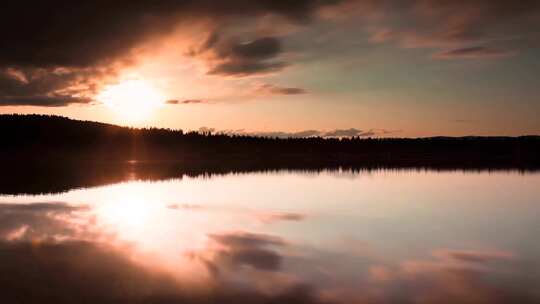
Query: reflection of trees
(52, 154)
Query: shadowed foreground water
(278, 237)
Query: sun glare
(128, 206)
(134, 100)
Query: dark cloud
(65, 271)
(39, 207)
(86, 33)
(48, 87)
(261, 48)
(246, 68)
(87, 272)
(246, 239)
(43, 101)
(477, 52)
(64, 268)
(456, 276)
(77, 36)
(38, 221)
(247, 249)
(238, 58)
(258, 258)
(68, 44)
(185, 101)
(456, 24)
(277, 90)
(475, 256)
(277, 217)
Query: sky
(408, 68)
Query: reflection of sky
(394, 234)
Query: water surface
(386, 236)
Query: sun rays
(133, 100)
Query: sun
(134, 100)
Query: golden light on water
(133, 100)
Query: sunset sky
(286, 68)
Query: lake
(326, 236)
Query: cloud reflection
(177, 242)
(85, 272)
(245, 267)
(254, 250)
(41, 221)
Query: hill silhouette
(42, 154)
(55, 138)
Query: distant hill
(53, 138)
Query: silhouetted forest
(52, 154)
(50, 138)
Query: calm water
(283, 237)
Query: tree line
(50, 138)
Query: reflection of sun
(130, 211)
(134, 100)
(128, 207)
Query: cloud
(186, 206)
(39, 221)
(231, 56)
(348, 133)
(185, 101)
(452, 26)
(246, 68)
(273, 217)
(246, 249)
(81, 271)
(67, 271)
(264, 217)
(280, 134)
(62, 271)
(337, 133)
(50, 87)
(43, 101)
(114, 34)
(258, 258)
(258, 49)
(83, 40)
(39, 208)
(470, 256)
(277, 90)
(63, 52)
(66, 266)
(447, 276)
(477, 52)
(246, 239)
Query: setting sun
(132, 99)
